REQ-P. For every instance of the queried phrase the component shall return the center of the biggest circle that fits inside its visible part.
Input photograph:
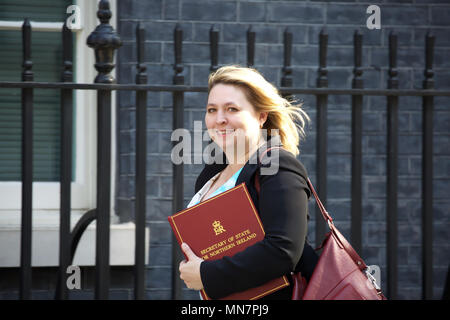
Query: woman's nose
(221, 118)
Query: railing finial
(322, 80)
(178, 47)
(251, 37)
(214, 47)
(27, 73)
(104, 40)
(141, 74)
(357, 82)
(286, 80)
(428, 83)
(67, 74)
(393, 72)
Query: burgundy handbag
(340, 273)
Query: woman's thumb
(187, 250)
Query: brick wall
(409, 19)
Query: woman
(241, 103)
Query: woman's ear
(263, 118)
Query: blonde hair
(265, 98)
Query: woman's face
(231, 119)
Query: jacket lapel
(247, 172)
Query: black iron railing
(104, 41)
(27, 170)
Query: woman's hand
(190, 270)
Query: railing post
(214, 48)
(104, 40)
(251, 37)
(392, 165)
(141, 171)
(178, 169)
(427, 173)
(321, 137)
(356, 211)
(27, 167)
(66, 164)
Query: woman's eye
(232, 109)
(211, 110)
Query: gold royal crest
(218, 228)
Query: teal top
(230, 183)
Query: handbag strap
(326, 216)
(337, 235)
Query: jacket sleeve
(283, 205)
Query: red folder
(222, 226)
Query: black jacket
(283, 208)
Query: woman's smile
(224, 132)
